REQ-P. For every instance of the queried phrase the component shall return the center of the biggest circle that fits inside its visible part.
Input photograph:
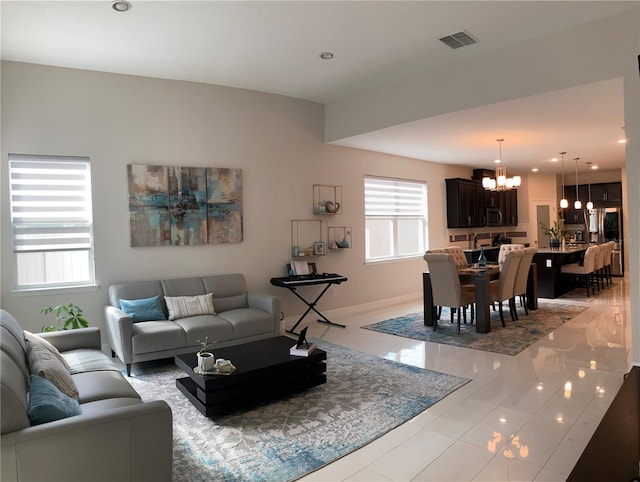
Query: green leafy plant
(69, 317)
(204, 344)
(554, 232)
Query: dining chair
(502, 289)
(584, 269)
(433, 251)
(607, 261)
(599, 265)
(458, 256)
(506, 249)
(445, 285)
(522, 276)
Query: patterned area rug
(364, 397)
(511, 340)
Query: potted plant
(69, 317)
(206, 360)
(554, 233)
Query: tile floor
(525, 417)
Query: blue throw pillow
(47, 403)
(145, 309)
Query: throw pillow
(47, 403)
(183, 306)
(46, 361)
(144, 309)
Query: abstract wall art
(184, 206)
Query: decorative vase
(482, 259)
(554, 243)
(344, 243)
(206, 361)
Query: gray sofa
(240, 316)
(116, 436)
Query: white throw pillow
(46, 361)
(183, 306)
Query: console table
(292, 283)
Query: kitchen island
(548, 263)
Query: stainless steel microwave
(494, 217)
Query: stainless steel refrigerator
(605, 224)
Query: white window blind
(395, 218)
(51, 220)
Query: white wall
(277, 141)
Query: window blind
(391, 197)
(50, 203)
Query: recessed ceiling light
(554, 159)
(535, 169)
(622, 141)
(594, 167)
(327, 55)
(121, 6)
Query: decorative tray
(216, 371)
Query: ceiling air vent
(457, 40)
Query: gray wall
(277, 141)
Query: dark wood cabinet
(608, 194)
(571, 214)
(465, 203)
(510, 207)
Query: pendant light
(577, 204)
(589, 203)
(563, 202)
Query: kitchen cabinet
(465, 203)
(506, 201)
(510, 207)
(608, 194)
(571, 214)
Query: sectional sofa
(101, 431)
(148, 320)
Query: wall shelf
(305, 236)
(340, 237)
(327, 199)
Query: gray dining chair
(502, 289)
(522, 275)
(445, 285)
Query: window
(395, 218)
(51, 221)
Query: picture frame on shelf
(312, 268)
(319, 248)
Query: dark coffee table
(264, 371)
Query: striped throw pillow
(183, 306)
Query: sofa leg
(128, 369)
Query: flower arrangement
(556, 231)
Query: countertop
(567, 250)
(477, 250)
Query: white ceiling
(274, 47)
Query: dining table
(479, 276)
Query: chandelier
(501, 181)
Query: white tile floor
(526, 417)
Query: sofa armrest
(128, 443)
(119, 328)
(268, 303)
(74, 339)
